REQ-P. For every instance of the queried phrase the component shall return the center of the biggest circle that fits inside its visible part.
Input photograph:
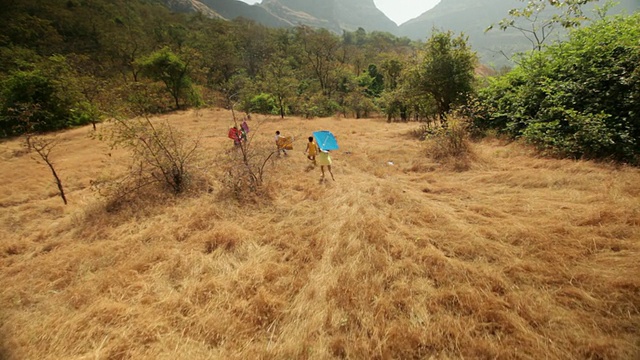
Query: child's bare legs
(322, 169)
(330, 172)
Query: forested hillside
(77, 60)
(495, 48)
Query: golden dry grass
(516, 257)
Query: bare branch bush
(246, 166)
(162, 157)
(26, 123)
(244, 173)
(160, 154)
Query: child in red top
(234, 134)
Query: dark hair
(310, 138)
(278, 132)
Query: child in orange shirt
(311, 150)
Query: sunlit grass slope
(516, 257)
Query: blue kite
(325, 140)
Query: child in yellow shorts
(325, 160)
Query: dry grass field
(508, 256)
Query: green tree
(280, 81)
(376, 84)
(445, 71)
(254, 44)
(126, 41)
(221, 56)
(390, 100)
(352, 50)
(391, 68)
(50, 90)
(320, 55)
(279, 75)
(171, 70)
(578, 98)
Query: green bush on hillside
(171, 70)
(41, 99)
(317, 106)
(579, 98)
(264, 103)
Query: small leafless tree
(246, 167)
(160, 153)
(26, 125)
(43, 147)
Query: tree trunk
(58, 181)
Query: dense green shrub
(169, 68)
(317, 106)
(264, 103)
(34, 101)
(579, 98)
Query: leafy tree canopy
(579, 98)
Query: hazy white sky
(399, 11)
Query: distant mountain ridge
(470, 17)
(186, 6)
(334, 15)
(473, 17)
(340, 14)
(231, 9)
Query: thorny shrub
(245, 169)
(161, 158)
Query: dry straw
(403, 256)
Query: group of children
(323, 157)
(314, 153)
(239, 135)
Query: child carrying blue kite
(324, 159)
(326, 142)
